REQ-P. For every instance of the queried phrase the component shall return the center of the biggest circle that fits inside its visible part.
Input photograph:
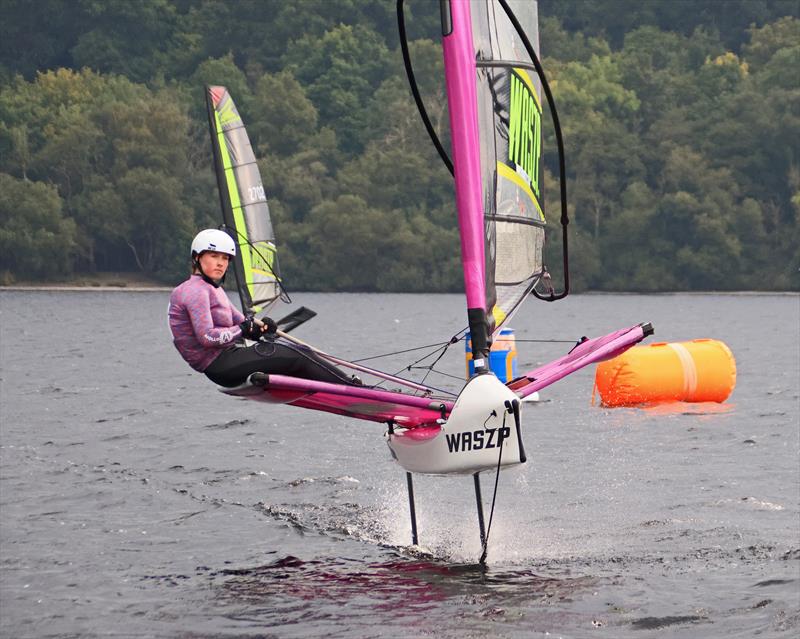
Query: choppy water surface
(137, 501)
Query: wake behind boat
(495, 88)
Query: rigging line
(408, 350)
(358, 367)
(453, 340)
(494, 495)
(401, 29)
(411, 367)
(438, 372)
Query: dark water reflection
(400, 590)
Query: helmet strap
(214, 283)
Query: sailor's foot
(355, 380)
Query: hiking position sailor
(209, 332)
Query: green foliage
(559, 44)
(613, 19)
(390, 250)
(132, 39)
(681, 126)
(341, 71)
(293, 120)
(117, 154)
(767, 41)
(44, 31)
(36, 240)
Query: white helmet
(213, 240)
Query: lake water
(138, 501)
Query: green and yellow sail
(244, 204)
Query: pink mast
(460, 75)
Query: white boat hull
(481, 433)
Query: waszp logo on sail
(525, 130)
(262, 255)
(476, 439)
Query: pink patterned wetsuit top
(203, 322)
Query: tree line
(681, 123)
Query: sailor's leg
(233, 366)
(307, 364)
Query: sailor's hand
(270, 326)
(251, 328)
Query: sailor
(209, 332)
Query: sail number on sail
(525, 128)
(256, 193)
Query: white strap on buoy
(689, 370)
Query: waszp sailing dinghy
(494, 89)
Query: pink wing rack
(414, 411)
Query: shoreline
(160, 288)
(85, 287)
(137, 283)
(106, 281)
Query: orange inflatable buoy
(702, 370)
